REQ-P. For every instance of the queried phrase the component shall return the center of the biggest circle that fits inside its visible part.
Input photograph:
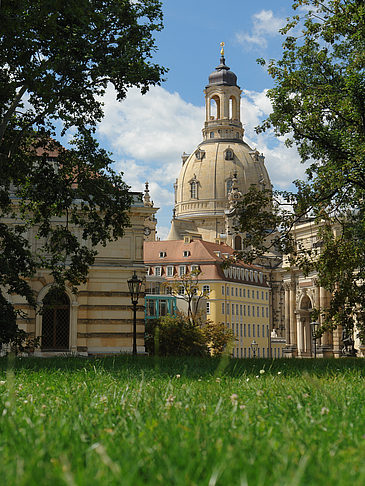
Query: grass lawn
(185, 421)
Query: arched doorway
(56, 322)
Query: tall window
(208, 307)
(229, 186)
(194, 190)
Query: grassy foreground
(187, 421)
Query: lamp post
(314, 327)
(254, 347)
(134, 285)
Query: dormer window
(163, 254)
(186, 253)
(199, 154)
(228, 154)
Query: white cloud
(149, 133)
(265, 24)
(162, 232)
(156, 126)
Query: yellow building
(99, 318)
(237, 295)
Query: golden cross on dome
(222, 50)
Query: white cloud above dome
(148, 134)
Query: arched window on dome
(229, 185)
(214, 107)
(194, 190)
(228, 154)
(233, 108)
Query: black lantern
(254, 347)
(134, 285)
(314, 329)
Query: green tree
(319, 105)
(187, 288)
(57, 58)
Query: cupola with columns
(222, 104)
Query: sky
(147, 134)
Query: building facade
(237, 295)
(99, 318)
(303, 294)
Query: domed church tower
(221, 160)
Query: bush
(217, 337)
(178, 336)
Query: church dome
(222, 162)
(206, 177)
(222, 75)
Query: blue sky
(147, 134)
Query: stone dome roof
(222, 75)
(213, 166)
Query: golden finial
(222, 50)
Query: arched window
(193, 189)
(214, 108)
(233, 108)
(228, 155)
(56, 322)
(305, 303)
(237, 243)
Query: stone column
(323, 304)
(293, 323)
(337, 335)
(287, 313)
(299, 334)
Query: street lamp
(254, 347)
(134, 285)
(314, 327)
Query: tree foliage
(178, 336)
(56, 60)
(187, 288)
(319, 105)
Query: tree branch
(11, 110)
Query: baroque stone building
(99, 318)
(214, 177)
(223, 166)
(211, 180)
